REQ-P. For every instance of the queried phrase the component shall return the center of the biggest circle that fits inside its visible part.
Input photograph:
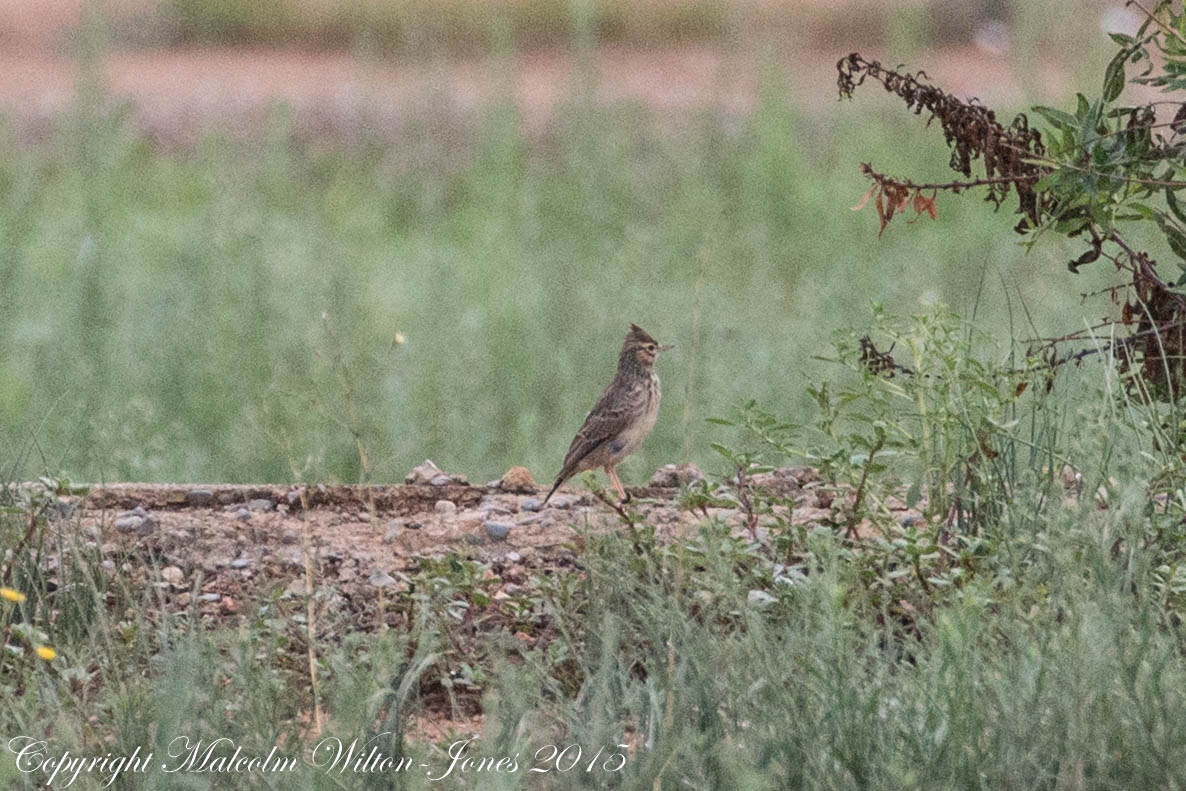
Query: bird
(623, 416)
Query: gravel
(498, 530)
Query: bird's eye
(650, 347)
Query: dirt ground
(227, 542)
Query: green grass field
(163, 310)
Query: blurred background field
(188, 186)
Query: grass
(1039, 645)
(163, 308)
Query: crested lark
(622, 418)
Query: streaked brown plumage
(622, 417)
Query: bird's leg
(613, 478)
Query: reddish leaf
(864, 199)
(924, 204)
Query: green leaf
(1122, 39)
(1173, 234)
(1175, 207)
(721, 449)
(1056, 118)
(1114, 76)
(719, 421)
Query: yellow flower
(46, 653)
(11, 595)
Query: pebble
(364, 516)
(210, 597)
(293, 498)
(513, 557)
(198, 498)
(440, 480)
(498, 530)
(127, 524)
(172, 575)
(445, 507)
(531, 504)
(671, 476)
(393, 531)
(261, 504)
(289, 536)
(243, 515)
(240, 563)
(424, 473)
(760, 599)
(381, 579)
(563, 501)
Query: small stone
(393, 531)
(674, 475)
(780, 483)
(759, 599)
(261, 504)
(140, 512)
(517, 479)
(381, 579)
(240, 563)
(108, 565)
(531, 504)
(364, 516)
(445, 507)
(172, 575)
(209, 598)
(440, 480)
(497, 530)
(474, 538)
(293, 498)
(243, 515)
(513, 557)
(129, 524)
(494, 504)
(423, 473)
(289, 536)
(199, 498)
(563, 501)
(184, 599)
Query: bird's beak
(666, 347)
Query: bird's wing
(608, 418)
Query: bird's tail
(555, 486)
